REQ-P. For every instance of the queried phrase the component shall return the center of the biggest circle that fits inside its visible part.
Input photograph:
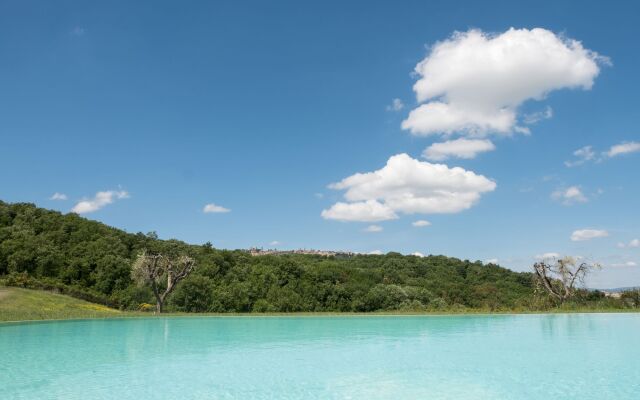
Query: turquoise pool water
(581, 356)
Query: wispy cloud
(624, 264)
(396, 105)
(536, 117)
(623, 148)
(632, 244)
(547, 256)
(587, 154)
(373, 229)
(582, 155)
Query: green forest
(65, 253)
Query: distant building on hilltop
(255, 251)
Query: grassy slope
(23, 304)
(18, 304)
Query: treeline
(45, 249)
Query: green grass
(23, 305)
(18, 304)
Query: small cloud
(492, 261)
(623, 148)
(588, 234)
(569, 196)
(396, 105)
(417, 254)
(460, 148)
(58, 196)
(632, 243)
(363, 211)
(547, 256)
(100, 200)
(587, 154)
(536, 117)
(213, 208)
(376, 252)
(373, 229)
(625, 264)
(420, 223)
(582, 155)
(318, 195)
(274, 243)
(78, 31)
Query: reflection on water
(458, 357)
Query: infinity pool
(579, 356)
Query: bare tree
(560, 277)
(151, 269)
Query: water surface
(568, 356)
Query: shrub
(194, 294)
(263, 306)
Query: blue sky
(257, 108)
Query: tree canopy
(91, 260)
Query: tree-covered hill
(40, 248)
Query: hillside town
(259, 251)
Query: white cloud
(588, 234)
(363, 211)
(547, 256)
(625, 264)
(582, 155)
(534, 118)
(376, 253)
(100, 200)
(274, 243)
(569, 196)
(373, 229)
(586, 153)
(438, 117)
(396, 105)
(492, 261)
(632, 243)
(421, 223)
(405, 185)
(461, 148)
(58, 196)
(474, 82)
(213, 208)
(417, 254)
(623, 148)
